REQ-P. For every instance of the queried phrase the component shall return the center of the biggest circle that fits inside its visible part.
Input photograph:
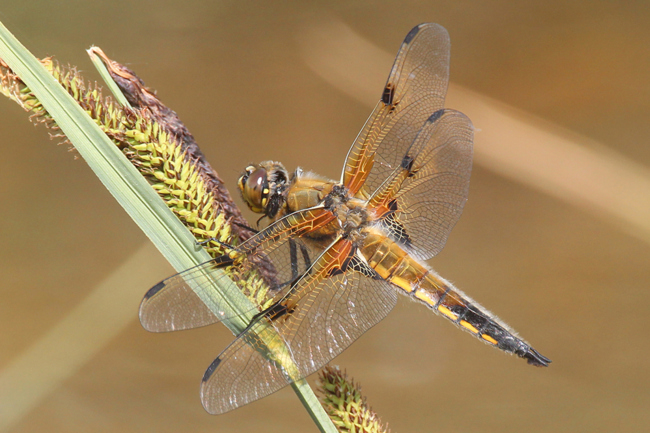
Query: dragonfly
(341, 251)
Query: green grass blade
(103, 72)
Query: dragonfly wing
(433, 185)
(415, 89)
(333, 304)
(174, 305)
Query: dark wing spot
(435, 116)
(210, 370)
(155, 289)
(274, 312)
(395, 228)
(364, 269)
(223, 260)
(388, 94)
(414, 31)
(407, 163)
(339, 270)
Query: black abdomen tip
(535, 358)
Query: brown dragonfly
(341, 251)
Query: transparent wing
(415, 89)
(338, 300)
(423, 199)
(280, 250)
(172, 305)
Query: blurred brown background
(568, 274)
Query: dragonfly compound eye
(254, 188)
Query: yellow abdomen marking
(489, 339)
(447, 312)
(402, 283)
(425, 297)
(468, 326)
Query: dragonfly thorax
(351, 213)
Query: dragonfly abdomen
(440, 295)
(423, 285)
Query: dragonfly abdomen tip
(537, 359)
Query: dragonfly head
(262, 187)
